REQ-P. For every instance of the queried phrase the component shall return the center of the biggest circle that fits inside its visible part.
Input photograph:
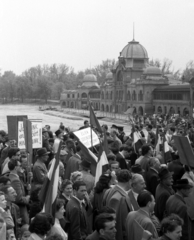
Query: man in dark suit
(73, 163)
(163, 192)
(39, 168)
(151, 177)
(118, 199)
(137, 186)
(21, 200)
(121, 156)
(142, 217)
(76, 213)
(176, 204)
(10, 196)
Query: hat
(120, 128)
(164, 173)
(44, 130)
(114, 126)
(183, 184)
(42, 152)
(85, 164)
(136, 169)
(58, 132)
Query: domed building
(131, 85)
(89, 81)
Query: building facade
(132, 83)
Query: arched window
(84, 95)
(128, 95)
(111, 95)
(134, 95)
(102, 95)
(141, 96)
(106, 95)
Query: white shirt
(135, 195)
(56, 144)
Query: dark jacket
(15, 213)
(93, 236)
(122, 161)
(120, 202)
(162, 195)
(77, 218)
(177, 205)
(152, 180)
(39, 173)
(72, 165)
(21, 199)
(133, 200)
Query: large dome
(89, 81)
(90, 78)
(109, 75)
(152, 71)
(134, 50)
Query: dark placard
(185, 150)
(12, 122)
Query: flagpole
(90, 106)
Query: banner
(36, 134)
(84, 136)
(185, 150)
(12, 122)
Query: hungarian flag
(49, 190)
(166, 151)
(89, 156)
(93, 119)
(137, 142)
(102, 165)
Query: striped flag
(89, 156)
(102, 165)
(49, 190)
(166, 151)
(93, 119)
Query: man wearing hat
(163, 191)
(176, 204)
(87, 176)
(39, 168)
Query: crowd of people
(140, 195)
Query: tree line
(48, 81)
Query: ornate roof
(134, 50)
(90, 81)
(90, 78)
(109, 75)
(152, 71)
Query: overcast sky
(82, 33)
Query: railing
(98, 113)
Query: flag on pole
(89, 156)
(93, 119)
(49, 190)
(102, 165)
